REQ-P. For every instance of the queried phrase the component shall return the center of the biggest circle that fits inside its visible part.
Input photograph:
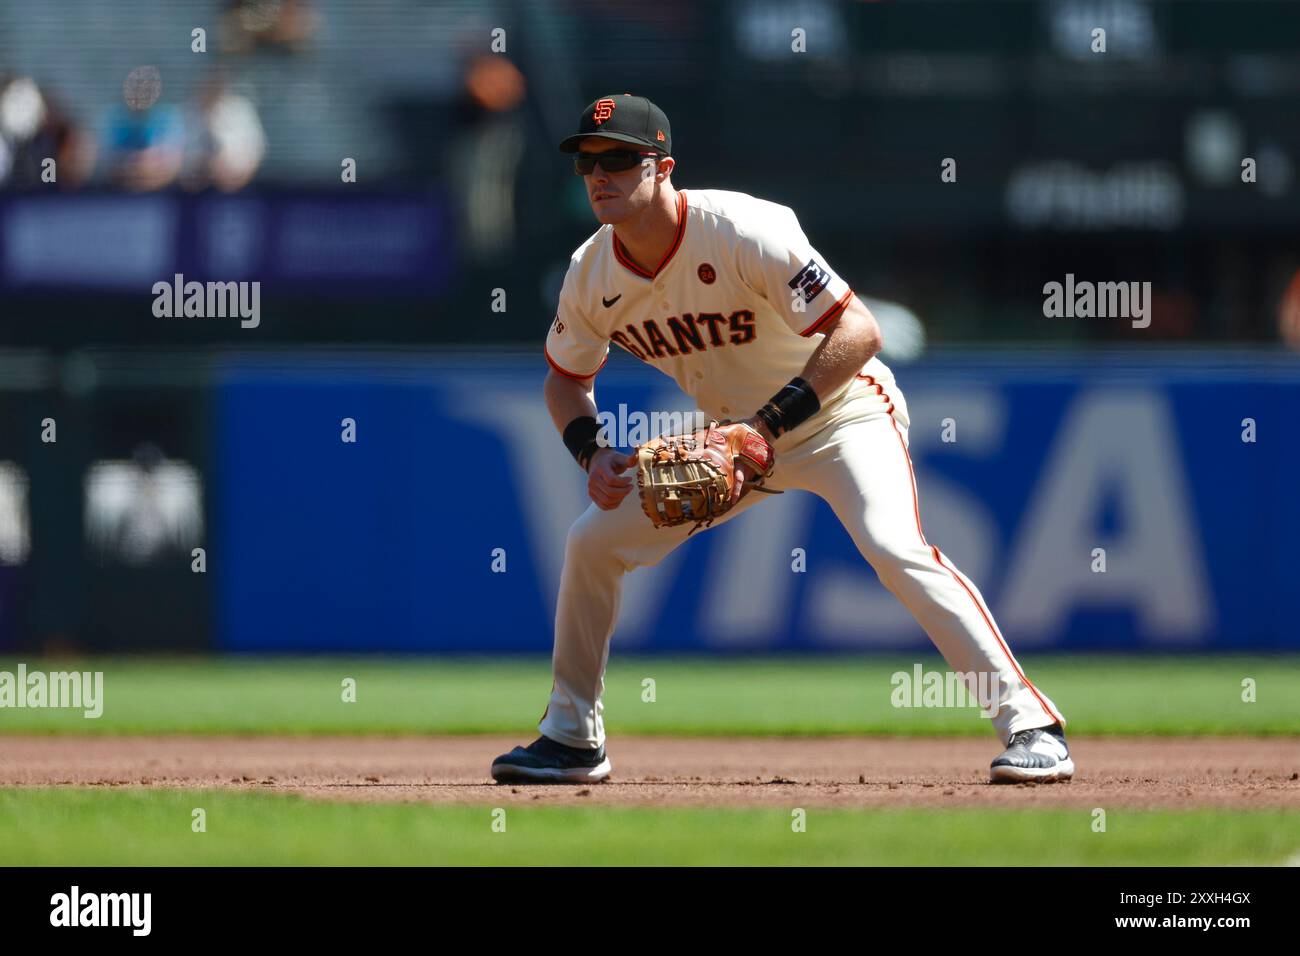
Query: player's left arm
(850, 340)
(776, 259)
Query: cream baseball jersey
(732, 313)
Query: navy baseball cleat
(1039, 755)
(546, 761)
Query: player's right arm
(568, 399)
(573, 346)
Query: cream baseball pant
(859, 464)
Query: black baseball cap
(626, 118)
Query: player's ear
(664, 168)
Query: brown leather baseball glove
(684, 478)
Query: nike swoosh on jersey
(609, 302)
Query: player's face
(616, 197)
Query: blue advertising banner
(1107, 501)
(369, 242)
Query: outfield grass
(697, 696)
(149, 828)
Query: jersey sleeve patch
(811, 280)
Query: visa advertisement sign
(1099, 502)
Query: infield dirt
(1152, 772)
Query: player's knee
(590, 537)
(892, 554)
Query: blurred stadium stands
(1116, 164)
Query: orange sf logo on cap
(604, 110)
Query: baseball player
(723, 292)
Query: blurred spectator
(488, 148)
(1288, 318)
(143, 139)
(224, 142)
(33, 128)
(277, 24)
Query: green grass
(120, 827)
(696, 696)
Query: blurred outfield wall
(387, 543)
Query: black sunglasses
(612, 160)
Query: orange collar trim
(625, 260)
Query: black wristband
(790, 407)
(771, 418)
(580, 438)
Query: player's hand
(606, 484)
(759, 426)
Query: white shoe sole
(509, 773)
(1062, 771)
